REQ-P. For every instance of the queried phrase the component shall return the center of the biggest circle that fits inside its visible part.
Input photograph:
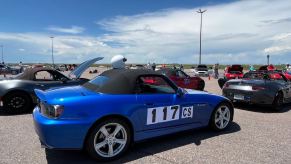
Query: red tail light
(256, 88)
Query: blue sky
(146, 30)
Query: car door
(185, 80)
(159, 105)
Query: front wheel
(221, 117)
(108, 140)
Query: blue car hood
(60, 93)
(191, 91)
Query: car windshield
(99, 81)
(201, 66)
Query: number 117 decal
(167, 113)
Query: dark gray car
(17, 94)
(263, 88)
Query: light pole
(201, 13)
(2, 53)
(53, 51)
(268, 59)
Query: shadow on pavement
(4, 113)
(143, 149)
(261, 109)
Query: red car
(183, 80)
(287, 74)
(233, 72)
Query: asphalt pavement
(257, 135)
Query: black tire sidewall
(26, 108)
(212, 124)
(276, 106)
(89, 143)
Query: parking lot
(257, 135)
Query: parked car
(17, 94)
(183, 80)
(4, 69)
(258, 87)
(201, 70)
(231, 72)
(119, 107)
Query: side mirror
(180, 92)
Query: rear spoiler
(40, 94)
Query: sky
(160, 31)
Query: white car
(201, 70)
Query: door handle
(149, 104)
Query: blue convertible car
(119, 107)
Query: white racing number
(163, 114)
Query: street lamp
(268, 59)
(53, 51)
(2, 53)
(201, 13)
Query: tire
(98, 135)
(221, 82)
(221, 117)
(201, 85)
(278, 101)
(17, 102)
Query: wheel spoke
(101, 144)
(110, 149)
(104, 131)
(219, 111)
(117, 129)
(217, 120)
(221, 123)
(120, 141)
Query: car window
(153, 85)
(99, 81)
(43, 76)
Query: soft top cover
(28, 74)
(122, 81)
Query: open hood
(78, 71)
(235, 68)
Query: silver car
(263, 88)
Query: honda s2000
(119, 107)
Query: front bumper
(60, 133)
(250, 97)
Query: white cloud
(237, 32)
(243, 27)
(71, 30)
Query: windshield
(201, 66)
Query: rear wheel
(201, 85)
(17, 102)
(108, 140)
(221, 117)
(278, 101)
